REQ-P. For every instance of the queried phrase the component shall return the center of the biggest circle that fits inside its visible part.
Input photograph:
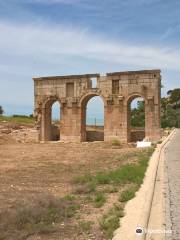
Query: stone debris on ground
(17, 133)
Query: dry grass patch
(125, 179)
(88, 176)
(38, 217)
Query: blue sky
(58, 37)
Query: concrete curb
(138, 210)
(156, 222)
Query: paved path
(172, 166)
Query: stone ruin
(117, 91)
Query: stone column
(125, 122)
(45, 129)
(114, 127)
(152, 120)
(70, 130)
(83, 124)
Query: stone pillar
(70, 130)
(114, 125)
(83, 124)
(45, 128)
(44, 123)
(125, 122)
(42, 126)
(152, 120)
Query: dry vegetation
(66, 191)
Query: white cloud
(54, 43)
(58, 1)
(43, 49)
(89, 2)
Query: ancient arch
(44, 118)
(116, 89)
(129, 133)
(83, 103)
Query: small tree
(138, 115)
(170, 109)
(1, 110)
(174, 97)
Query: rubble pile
(11, 133)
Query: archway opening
(93, 119)
(55, 121)
(136, 118)
(52, 121)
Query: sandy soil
(32, 169)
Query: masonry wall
(117, 91)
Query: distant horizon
(11, 109)
(95, 111)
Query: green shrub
(99, 200)
(128, 194)
(129, 173)
(69, 197)
(116, 142)
(110, 221)
(111, 189)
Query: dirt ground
(32, 169)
